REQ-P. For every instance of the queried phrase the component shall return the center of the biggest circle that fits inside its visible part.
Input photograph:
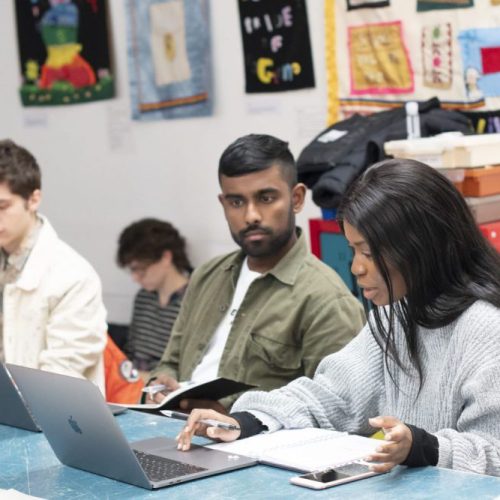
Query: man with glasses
(154, 253)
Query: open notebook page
(302, 449)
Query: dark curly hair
(146, 240)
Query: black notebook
(212, 389)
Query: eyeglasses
(139, 269)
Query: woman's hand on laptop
(195, 427)
(170, 385)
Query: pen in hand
(154, 389)
(206, 421)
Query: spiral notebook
(303, 450)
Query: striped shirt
(150, 328)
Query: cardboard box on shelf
(485, 209)
(429, 150)
(483, 181)
(449, 150)
(473, 151)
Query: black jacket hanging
(328, 168)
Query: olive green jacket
(290, 319)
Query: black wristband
(249, 424)
(424, 448)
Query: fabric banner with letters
(64, 51)
(169, 59)
(276, 45)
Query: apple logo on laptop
(74, 425)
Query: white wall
(168, 169)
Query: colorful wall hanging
(481, 61)
(276, 45)
(169, 59)
(437, 56)
(363, 4)
(64, 51)
(379, 60)
(424, 5)
(396, 54)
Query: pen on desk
(154, 389)
(207, 421)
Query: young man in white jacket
(51, 311)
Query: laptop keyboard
(160, 468)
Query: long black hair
(416, 221)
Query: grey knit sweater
(459, 401)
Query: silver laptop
(83, 434)
(13, 408)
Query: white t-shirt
(209, 366)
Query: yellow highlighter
(378, 435)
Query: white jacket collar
(39, 258)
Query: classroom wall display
(437, 55)
(363, 4)
(276, 45)
(169, 59)
(481, 61)
(378, 58)
(424, 5)
(63, 51)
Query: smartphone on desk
(334, 476)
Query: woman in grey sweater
(426, 367)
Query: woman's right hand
(194, 426)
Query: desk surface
(28, 464)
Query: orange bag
(123, 383)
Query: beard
(273, 242)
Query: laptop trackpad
(155, 445)
(197, 455)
